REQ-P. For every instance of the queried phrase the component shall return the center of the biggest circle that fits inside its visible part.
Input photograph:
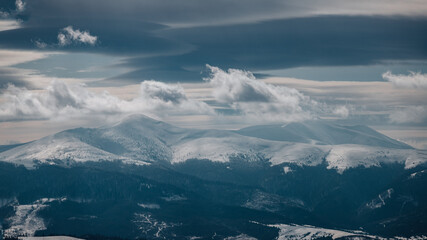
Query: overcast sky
(213, 64)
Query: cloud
(414, 80)
(12, 9)
(13, 57)
(250, 100)
(342, 111)
(287, 44)
(239, 86)
(159, 97)
(20, 6)
(8, 24)
(40, 44)
(171, 54)
(11, 76)
(68, 36)
(163, 92)
(215, 12)
(409, 114)
(259, 100)
(62, 101)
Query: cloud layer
(209, 12)
(414, 80)
(60, 100)
(225, 38)
(237, 90)
(409, 114)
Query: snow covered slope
(25, 222)
(322, 132)
(142, 140)
(307, 232)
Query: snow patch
(307, 232)
(380, 200)
(61, 150)
(149, 205)
(217, 149)
(297, 153)
(287, 169)
(343, 157)
(174, 198)
(241, 237)
(415, 158)
(50, 238)
(25, 222)
(416, 174)
(149, 226)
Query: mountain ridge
(175, 183)
(322, 132)
(143, 140)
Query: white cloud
(20, 5)
(40, 44)
(60, 100)
(19, 8)
(18, 76)
(412, 80)
(8, 24)
(13, 57)
(259, 100)
(164, 99)
(342, 111)
(409, 114)
(68, 36)
(159, 91)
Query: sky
(213, 64)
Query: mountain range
(146, 179)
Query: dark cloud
(171, 12)
(279, 44)
(207, 12)
(7, 5)
(331, 40)
(110, 40)
(146, 33)
(162, 92)
(11, 8)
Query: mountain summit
(323, 133)
(139, 139)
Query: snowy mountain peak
(139, 119)
(322, 133)
(143, 140)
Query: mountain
(322, 132)
(145, 179)
(142, 140)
